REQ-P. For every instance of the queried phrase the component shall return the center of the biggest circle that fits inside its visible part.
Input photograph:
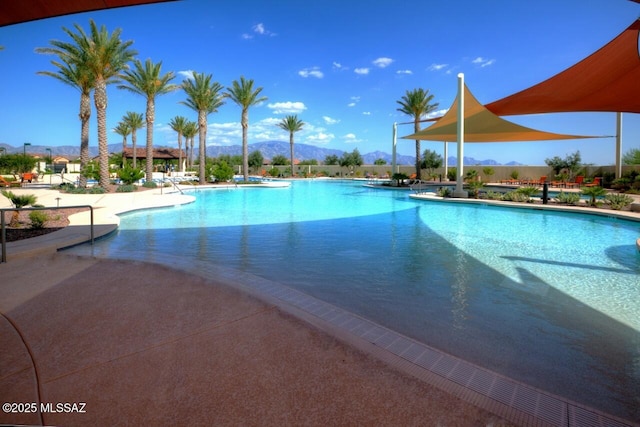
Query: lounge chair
(540, 181)
(5, 183)
(576, 183)
(595, 183)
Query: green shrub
(515, 196)
(444, 192)
(150, 184)
(452, 174)
(593, 193)
(126, 188)
(223, 172)
(568, 198)
(618, 201)
(494, 195)
(129, 175)
(38, 219)
(96, 190)
(527, 193)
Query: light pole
(24, 148)
(51, 162)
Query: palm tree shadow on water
(396, 271)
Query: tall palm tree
(124, 131)
(146, 80)
(177, 124)
(243, 94)
(135, 122)
(73, 71)
(105, 56)
(203, 96)
(190, 131)
(416, 103)
(291, 124)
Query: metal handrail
(3, 228)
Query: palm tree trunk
(180, 152)
(100, 100)
(202, 131)
(85, 114)
(245, 144)
(150, 119)
(124, 147)
(291, 149)
(133, 146)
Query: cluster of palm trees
(91, 61)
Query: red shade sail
(14, 12)
(607, 80)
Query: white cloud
(382, 62)
(351, 138)
(366, 113)
(437, 113)
(328, 120)
(483, 62)
(355, 100)
(287, 107)
(361, 71)
(260, 29)
(246, 36)
(320, 138)
(351, 104)
(437, 67)
(337, 65)
(404, 72)
(311, 72)
(187, 74)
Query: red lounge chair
(595, 183)
(5, 183)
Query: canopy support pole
(459, 192)
(446, 160)
(393, 151)
(618, 145)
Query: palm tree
(177, 124)
(243, 94)
(190, 131)
(203, 96)
(134, 121)
(291, 124)
(105, 56)
(416, 104)
(123, 130)
(147, 81)
(73, 71)
(19, 201)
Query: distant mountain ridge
(269, 149)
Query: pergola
(166, 154)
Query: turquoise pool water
(551, 299)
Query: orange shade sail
(481, 125)
(607, 80)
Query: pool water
(550, 299)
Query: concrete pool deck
(124, 338)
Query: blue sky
(339, 65)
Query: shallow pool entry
(550, 299)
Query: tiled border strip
(512, 400)
(515, 401)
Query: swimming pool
(550, 299)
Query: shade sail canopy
(481, 125)
(15, 12)
(607, 80)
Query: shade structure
(607, 80)
(481, 125)
(15, 12)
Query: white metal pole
(446, 160)
(619, 145)
(459, 192)
(393, 151)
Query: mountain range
(268, 149)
